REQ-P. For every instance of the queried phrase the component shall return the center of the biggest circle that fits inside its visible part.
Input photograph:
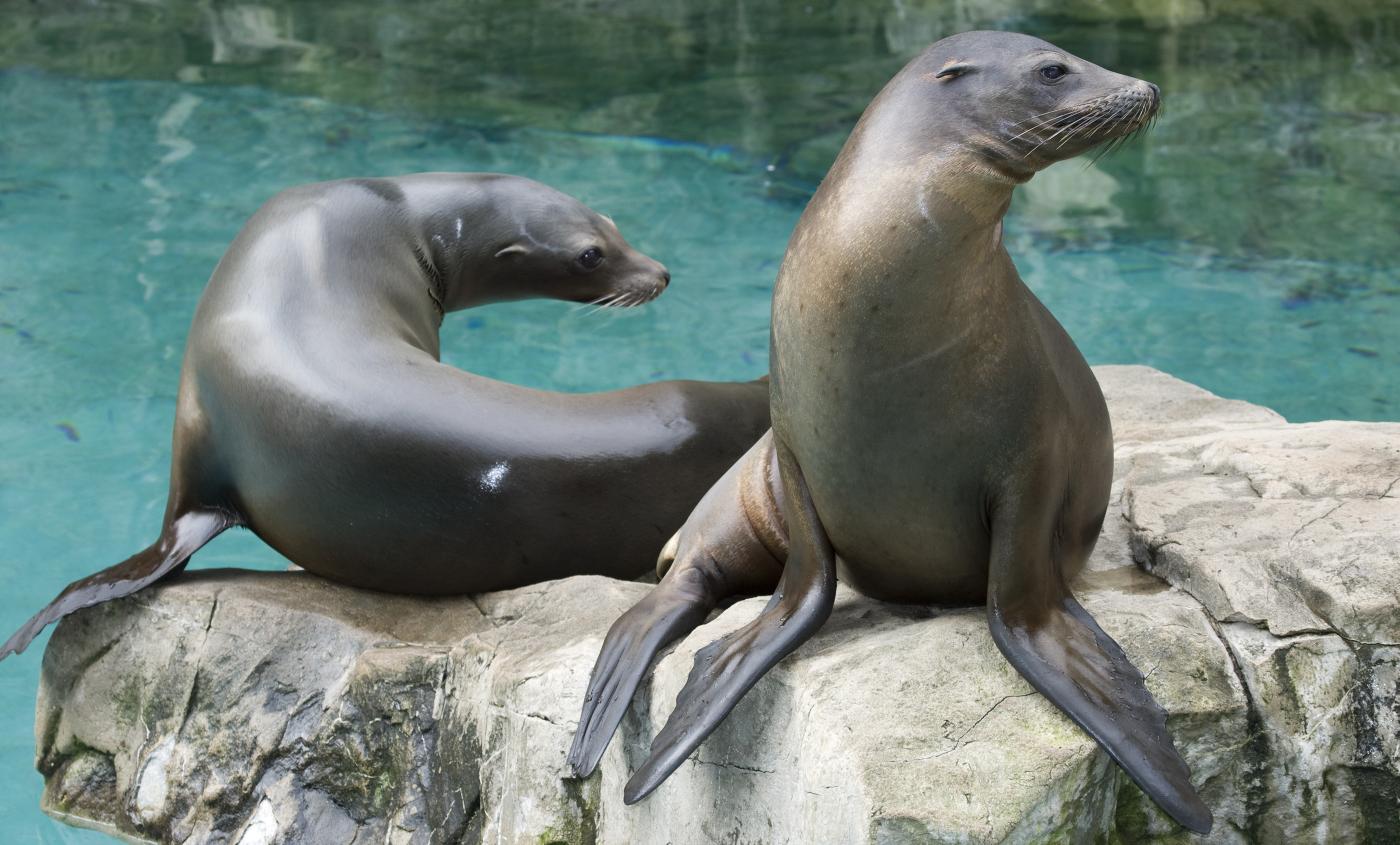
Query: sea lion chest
(898, 384)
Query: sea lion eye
(1052, 73)
(591, 257)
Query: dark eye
(1050, 73)
(591, 257)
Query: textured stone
(237, 707)
(1296, 528)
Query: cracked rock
(260, 708)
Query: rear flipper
(1057, 646)
(180, 539)
(717, 554)
(727, 668)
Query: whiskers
(1052, 130)
(1051, 118)
(1141, 121)
(613, 301)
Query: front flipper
(181, 537)
(1056, 645)
(718, 554)
(727, 668)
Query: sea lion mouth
(1110, 120)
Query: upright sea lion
(313, 408)
(937, 437)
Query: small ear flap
(513, 249)
(953, 70)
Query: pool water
(1243, 245)
(119, 198)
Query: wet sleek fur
(937, 437)
(313, 408)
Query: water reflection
(1290, 108)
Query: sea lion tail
(182, 537)
(1056, 645)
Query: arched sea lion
(313, 408)
(937, 437)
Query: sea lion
(937, 437)
(313, 408)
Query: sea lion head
(558, 248)
(1023, 104)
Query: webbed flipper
(182, 537)
(715, 556)
(1056, 645)
(727, 668)
(673, 609)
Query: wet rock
(237, 707)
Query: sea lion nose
(1156, 93)
(665, 277)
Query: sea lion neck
(922, 170)
(461, 222)
(459, 233)
(945, 200)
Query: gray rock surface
(259, 708)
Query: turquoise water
(117, 199)
(1222, 248)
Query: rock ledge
(259, 708)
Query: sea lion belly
(881, 372)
